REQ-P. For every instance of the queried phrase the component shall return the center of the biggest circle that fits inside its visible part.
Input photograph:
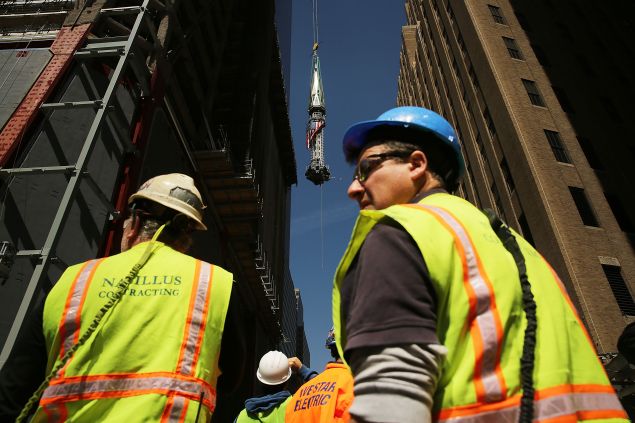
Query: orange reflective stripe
(126, 385)
(558, 404)
(485, 323)
(175, 411)
(55, 413)
(196, 319)
(70, 323)
(193, 335)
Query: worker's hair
(442, 160)
(334, 352)
(178, 228)
(434, 157)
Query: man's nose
(355, 189)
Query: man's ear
(135, 226)
(418, 165)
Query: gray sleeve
(395, 384)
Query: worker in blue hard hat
(442, 311)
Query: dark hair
(441, 157)
(334, 352)
(178, 226)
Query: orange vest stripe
(485, 328)
(55, 413)
(201, 308)
(71, 321)
(568, 402)
(175, 411)
(193, 334)
(116, 376)
(71, 316)
(126, 385)
(196, 319)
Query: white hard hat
(274, 368)
(174, 191)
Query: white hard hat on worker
(274, 368)
(175, 191)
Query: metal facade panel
(31, 201)
(18, 71)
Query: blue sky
(359, 55)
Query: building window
(524, 227)
(497, 199)
(489, 122)
(533, 93)
(589, 152)
(584, 208)
(480, 145)
(512, 48)
(557, 147)
(448, 9)
(507, 175)
(625, 222)
(620, 290)
(473, 78)
(497, 15)
(461, 43)
(563, 100)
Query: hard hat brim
(157, 199)
(272, 383)
(357, 136)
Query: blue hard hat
(432, 128)
(330, 338)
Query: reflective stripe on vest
(64, 389)
(71, 317)
(191, 346)
(126, 385)
(196, 318)
(569, 403)
(175, 411)
(486, 328)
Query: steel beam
(71, 189)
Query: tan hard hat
(174, 191)
(274, 368)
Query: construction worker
(327, 397)
(274, 372)
(442, 312)
(137, 336)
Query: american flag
(313, 128)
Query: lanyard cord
(94, 327)
(527, 359)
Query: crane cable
(315, 24)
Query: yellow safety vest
(274, 415)
(480, 320)
(155, 357)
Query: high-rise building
(98, 96)
(540, 94)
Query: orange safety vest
(325, 398)
(154, 358)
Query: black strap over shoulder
(529, 306)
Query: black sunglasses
(370, 163)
